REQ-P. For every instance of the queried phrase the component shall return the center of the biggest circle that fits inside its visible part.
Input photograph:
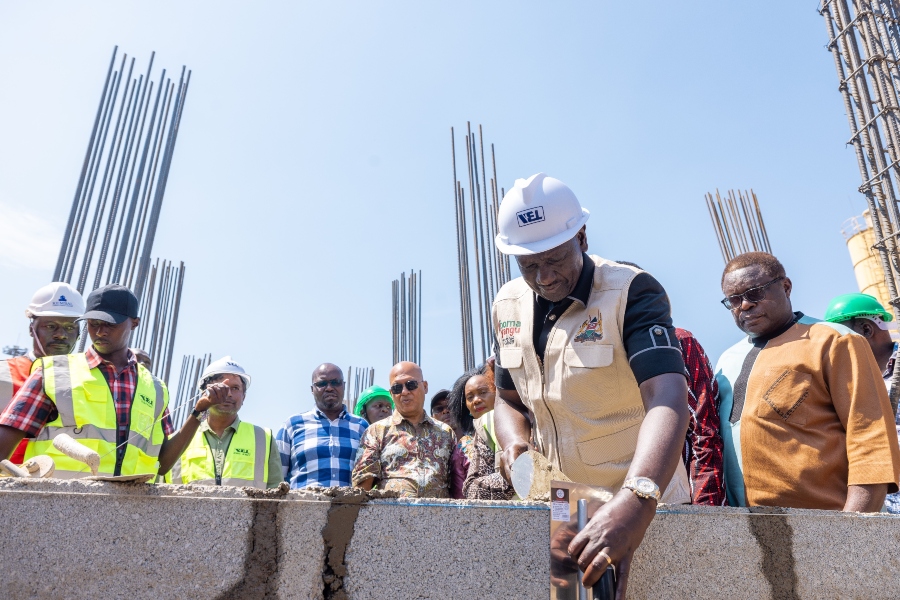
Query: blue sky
(313, 161)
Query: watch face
(646, 486)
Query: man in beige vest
(587, 351)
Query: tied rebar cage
(738, 223)
(478, 259)
(864, 40)
(406, 308)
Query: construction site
(257, 198)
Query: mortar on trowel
(532, 475)
(37, 467)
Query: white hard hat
(538, 214)
(223, 366)
(57, 299)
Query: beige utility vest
(585, 400)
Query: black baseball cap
(438, 397)
(111, 303)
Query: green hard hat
(845, 307)
(370, 394)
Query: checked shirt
(316, 451)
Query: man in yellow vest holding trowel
(114, 408)
(226, 450)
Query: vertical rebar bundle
(112, 223)
(864, 40)
(357, 380)
(406, 304)
(738, 223)
(180, 404)
(159, 316)
(477, 254)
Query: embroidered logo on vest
(591, 330)
(508, 331)
(146, 400)
(242, 452)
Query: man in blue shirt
(318, 447)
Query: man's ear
(425, 386)
(788, 286)
(135, 321)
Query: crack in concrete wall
(261, 558)
(775, 537)
(336, 536)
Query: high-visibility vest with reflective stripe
(88, 414)
(13, 373)
(246, 460)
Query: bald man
(409, 452)
(317, 448)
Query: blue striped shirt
(316, 451)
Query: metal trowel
(532, 475)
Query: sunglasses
(324, 384)
(411, 385)
(753, 295)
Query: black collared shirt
(647, 330)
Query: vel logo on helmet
(531, 216)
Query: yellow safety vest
(87, 412)
(246, 460)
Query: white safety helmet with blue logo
(57, 299)
(538, 214)
(225, 366)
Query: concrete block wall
(78, 539)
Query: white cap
(57, 299)
(225, 366)
(538, 214)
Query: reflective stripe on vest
(86, 412)
(246, 460)
(13, 373)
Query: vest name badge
(591, 330)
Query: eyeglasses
(410, 384)
(752, 295)
(324, 384)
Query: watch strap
(196, 414)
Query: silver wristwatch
(643, 487)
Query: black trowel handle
(605, 589)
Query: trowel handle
(605, 589)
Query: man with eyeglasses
(318, 447)
(806, 419)
(409, 452)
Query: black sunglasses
(410, 384)
(324, 384)
(753, 295)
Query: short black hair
(771, 265)
(441, 395)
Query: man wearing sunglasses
(806, 420)
(409, 452)
(318, 447)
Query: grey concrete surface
(76, 539)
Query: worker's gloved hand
(509, 456)
(215, 394)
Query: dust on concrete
(261, 559)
